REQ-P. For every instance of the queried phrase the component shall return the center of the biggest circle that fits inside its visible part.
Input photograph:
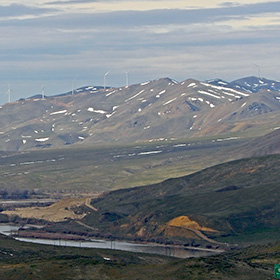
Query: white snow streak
(160, 93)
(169, 101)
(90, 109)
(145, 83)
(149, 153)
(191, 84)
(210, 94)
(58, 112)
(42, 139)
(132, 97)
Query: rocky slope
(159, 109)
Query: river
(171, 251)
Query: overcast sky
(55, 42)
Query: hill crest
(161, 109)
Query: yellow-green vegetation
(85, 169)
(56, 212)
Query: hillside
(162, 109)
(233, 202)
(264, 145)
(74, 169)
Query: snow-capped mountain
(249, 84)
(162, 109)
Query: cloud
(15, 10)
(69, 2)
(143, 18)
(55, 45)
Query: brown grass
(57, 212)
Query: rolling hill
(233, 202)
(162, 109)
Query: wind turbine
(127, 78)
(259, 69)
(105, 80)
(43, 92)
(73, 87)
(9, 91)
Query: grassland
(235, 202)
(103, 168)
(237, 199)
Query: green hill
(239, 201)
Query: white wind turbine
(73, 87)
(105, 80)
(43, 92)
(259, 69)
(9, 91)
(126, 78)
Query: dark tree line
(15, 194)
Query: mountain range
(158, 110)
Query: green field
(103, 168)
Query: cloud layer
(55, 42)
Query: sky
(60, 43)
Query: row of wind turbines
(126, 78)
(9, 91)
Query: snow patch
(145, 83)
(42, 139)
(226, 89)
(108, 94)
(58, 112)
(160, 93)
(132, 97)
(90, 109)
(110, 115)
(227, 139)
(149, 153)
(180, 145)
(168, 102)
(191, 84)
(210, 94)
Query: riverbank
(60, 239)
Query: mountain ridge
(159, 109)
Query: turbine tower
(259, 69)
(72, 87)
(105, 80)
(43, 92)
(9, 91)
(127, 78)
